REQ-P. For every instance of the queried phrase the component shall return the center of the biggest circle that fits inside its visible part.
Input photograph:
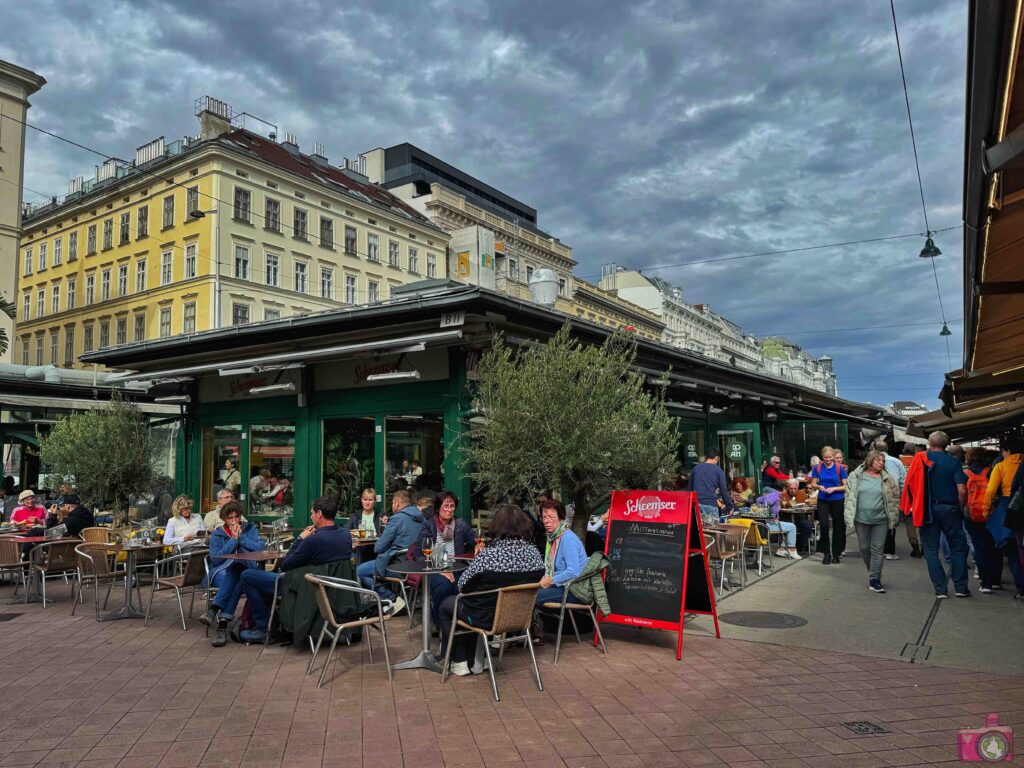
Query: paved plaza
(82, 693)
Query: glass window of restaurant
(797, 441)
(271, 469)
(349, 460)
(221, 462)
(413, 454)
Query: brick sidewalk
(80, 693)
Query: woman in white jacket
(183, 526)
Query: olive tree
(104, 453)
(568, 416)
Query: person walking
(898, 470)
(986, 556)
(1007, 478)
(935, 493)
(872, 507)
(829, 478)
(707, 480)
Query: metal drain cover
(763, 619)
(865, 727)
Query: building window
(188, 318)
(243, 198)
(140, 275)
(87, 340)
(372, 291)
(28, 261)
(271, 314)
(272, 214)
(71, 292)
(90, 289)
(55, 298)
(300, 224)
(513, 269)
(191, 202)
(373, 247)
(190, 260)
(166, 267)
(561, 286)
(122, 330)
(58, 248)
(393, 254)
(239, 314)
(26, 306)
(73, 246)
(108, 234)
(326, 283)
(90, 240)
(53, 347)
(350, 289)
(69, 346)
(241, 262)
(165, 322)
(122, 280)
(142, 229)
(326, 232)
(42, 256)
(41, 302)
(350, 240)
(39, 349)
(126, 228)
(301, 276)
(414, 260)
(105, 285)
(273, 263)
(24, 351)
(140, 327)
(104, 334)
(168, 211)
(529, 273)
(431, 265)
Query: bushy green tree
(568, 416)
(8, 309)
(105, 453)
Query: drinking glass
(427, 546)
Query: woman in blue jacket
(226, 575)
(564, 558)
(449, 534)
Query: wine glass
(427, 546)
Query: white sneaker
(782, 552)
(397, 605)
(460, 668)
(892, 557)
(793, 555)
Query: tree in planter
(570, 417)
(105, 454)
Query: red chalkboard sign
(658, 569)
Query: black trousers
(831, 515)
(464, 646)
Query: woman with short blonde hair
(183, 525)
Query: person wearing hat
(72, 514)
(28, 512)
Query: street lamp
(945, 330)
(930, 250)
(196, 215)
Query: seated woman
(451, 535)
(564, 558)
(183, 527)
(226, 575)
(771, 499)
(510, 559)
(741, 494)
(367, 518)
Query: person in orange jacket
(997, 500)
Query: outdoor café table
(424, 659)
(34, 595)
(128, 610)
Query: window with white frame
(105, 285)
(301, 276)
(58, 251)
(191, 202)
(72, 246)
(126, 228)
(190, 260)
(414, 260)
(90, 289)
(165, 322)
(122, 330)
(28, 261)
(326, 282)
(243, 201)
(72, 284)
(55, 298)
(90, 240)
(239, 314)
(24, 351)
(39, 349)
(168, 211)
(431, 265)
(87, 339)
(350, 289)
(166, 267)
(26, 306)
(299, 226)
(350, 240)
(53, 347)
(272, 214)
(373, 247)
(271, 314)
(242, 262)
(42, 256)
(140, 275)
(122, 280)
(393, 254)
(69, 346)
(108, 234)
(40, 302)
(326, 232)
(188, 317)
(142, 228)
(104, 334)
(140, 327)
(513, 269)
(372, 291)
(273, 267)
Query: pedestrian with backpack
(1003, 499)
(976, 517)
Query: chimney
(319, 155)
(291, 143)
(214, 117)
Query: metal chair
(11, 562)
(211, 590)
(728, 550)
(333, 628)
(572, 607)
(399, 581)
(94, 567)
(52, 560)
(513, 612)
(99, 535)
(190, 577)
(759, 540)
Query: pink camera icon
(992, 743)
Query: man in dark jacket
(71, 513)
(401, 532)
(320, 543)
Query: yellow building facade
(589, 302)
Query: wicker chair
(513, 612)
(52, 560)
(99, 535)
(190, 577)
(333, 628)
(564, 606)
(728, 550)
(11, 562)
(94, 568)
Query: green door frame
(755, 444)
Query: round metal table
(425, 659)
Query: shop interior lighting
(285, 387)
(257, 369)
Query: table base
(125, 612)
(424, 660)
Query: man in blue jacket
(321, 543)
(707, 480)
(401, 532)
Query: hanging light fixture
(930, 250)
(945, 330)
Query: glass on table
(427, 546)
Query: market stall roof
(980, 418)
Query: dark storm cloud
(647, 133)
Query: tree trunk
(581, 516)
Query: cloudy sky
(646, 133)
